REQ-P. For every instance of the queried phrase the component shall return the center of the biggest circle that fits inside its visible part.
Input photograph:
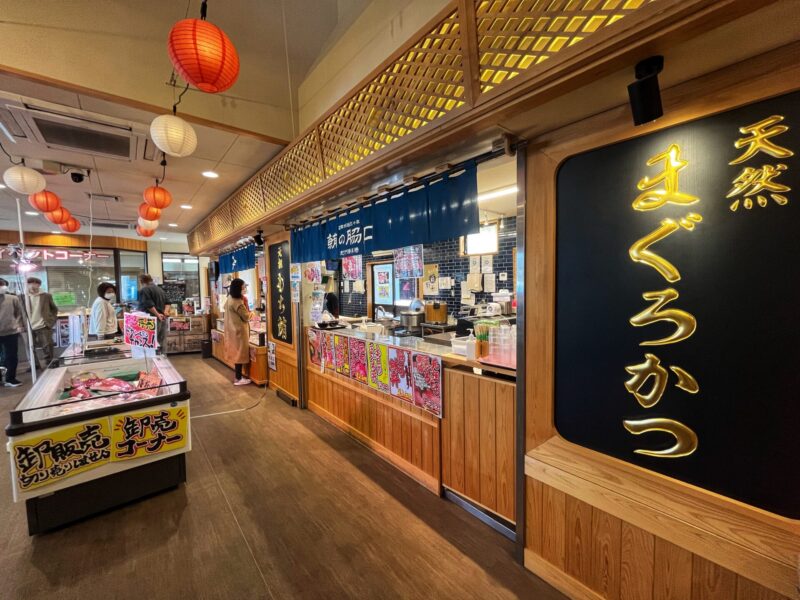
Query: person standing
(12, 323)
(236, 335)
(153, 301)
(43, 314)
(103, 321)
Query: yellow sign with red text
(149, 432)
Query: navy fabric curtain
(444, 209)
(240, 259)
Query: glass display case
(96, 432)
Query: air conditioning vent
(68, 136)
(104, 223)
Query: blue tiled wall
(448, 256)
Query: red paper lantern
(71, 226)
(144, 232)
(203, 55)
(158, 197)
(44, 201)
(59, 216)
(150, 213)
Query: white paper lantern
(173, 135)
(145, 224)
(24, 180)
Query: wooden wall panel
(578, 538)
(710, 581)
(478, 442)
(554, 534)
(606, 545)
(672, 575)
(637, 555)
(402, 434)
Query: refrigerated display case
(95, 433)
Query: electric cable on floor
(235, 410)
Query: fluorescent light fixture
(164, 240)
(2, 187)
(506, 191)
(31, 213)
(186, 206)
(210, 174)
(173, 224)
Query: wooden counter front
(478, 440)
(256, 370)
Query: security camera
(77, 174)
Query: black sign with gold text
(280, 300)
(678, 289)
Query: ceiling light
(24, 180)
(55, 232)
(173, 224)
(644, 93)
(31, 213)
(186, 206)
(2, 187)
(173, 135)
(163, 239)
(506, 191)
(210, 174)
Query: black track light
(258, 238)
(644, 93)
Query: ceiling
(127, 54)
(234, 157)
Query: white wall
(379, 31)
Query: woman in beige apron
(236, 336)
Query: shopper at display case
(11, 325)
(43, 314)
(103, 321)
(236, 337)
(153, 301)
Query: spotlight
(644, 94)
(258, 238)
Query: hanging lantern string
(203, 10)
(180, 97)
(164, 170)
(21, 160)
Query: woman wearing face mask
(103, 322)
(236, 336)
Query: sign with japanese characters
(141, 330)
(676, 336)
(149, 432)
(51, 457)
(180, 324)
(280, 295)
(347, 234)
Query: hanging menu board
(175, 291)
(676, 326)
(280, 300)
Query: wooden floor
(278, 504)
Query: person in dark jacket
(153, 301)
(12, 323)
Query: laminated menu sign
(408, 262)
(140, 330)
(295, 272)
(427, 382)
(149, 432)
(358, 360)
(328, 351)
(342, 354)
(377, 356)
(352, 269)
(315, 346)
(400, 374)
(180, 324)
(43, 459)
(271, 359)
(689, 252)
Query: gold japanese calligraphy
(685, 439)
(685, 323)
(651, 373)
(760, 182)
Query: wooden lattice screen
(424, 82)
(515, 35)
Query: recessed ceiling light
(2, 187)
(186, 206)
(163, 239)
(173, 224)
(55, 232)
(31, 213)
(210, 174)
